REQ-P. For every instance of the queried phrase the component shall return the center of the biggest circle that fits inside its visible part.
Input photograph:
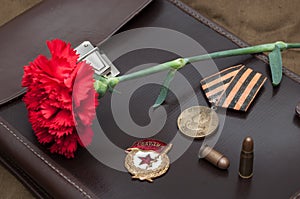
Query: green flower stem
(181, 62)
(102, 84)
(176, 64)
(234, 52)
(293, 45)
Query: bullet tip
(248, 144)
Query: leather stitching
(228, 35)
(45, 161)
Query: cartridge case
(246, 158)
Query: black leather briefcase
(270, 121)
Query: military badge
(147, 159)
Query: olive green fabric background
(255, 21)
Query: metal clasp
(97, 59)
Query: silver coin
(198, 121)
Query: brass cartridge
(246, 158)
(215, 157)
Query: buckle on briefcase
(97, 59)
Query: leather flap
(23, 38)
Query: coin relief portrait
(198, 121)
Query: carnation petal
(47, 110)
(61, 49)
(64, 118)
(44, 137)
(86, 111)
(65, 146)
(84, 82)
(62, 131)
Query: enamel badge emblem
(147, 159)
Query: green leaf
(276, 65)
(164, 89)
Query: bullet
(246, 158)
(214, 157)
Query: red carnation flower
(60, 99)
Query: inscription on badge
(147, 159)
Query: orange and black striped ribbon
(234, 87)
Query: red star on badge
(146, 160)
